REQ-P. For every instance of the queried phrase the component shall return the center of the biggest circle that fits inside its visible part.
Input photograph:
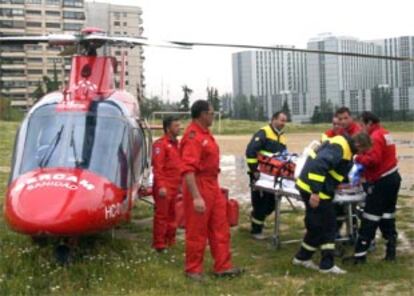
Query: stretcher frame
(279, 194)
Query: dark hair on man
(276, 115)
(342, 110)
(367, 117)
(167, 121)
(198, 107)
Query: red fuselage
(78, 157)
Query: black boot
(354, 260)
(390, 252)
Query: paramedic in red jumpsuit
(166, 164)
(204, 205)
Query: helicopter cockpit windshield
(96, 140)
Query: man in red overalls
(166, 164)
(204, 205)
(350, 127)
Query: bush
(8, 113)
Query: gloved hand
(355, 174)
(254, 176)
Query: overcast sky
(270, 22)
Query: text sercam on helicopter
(81, 154)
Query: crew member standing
(350, 127)
(269, 140)
(167, 181)
(321, 174)
(383, 184)
(204, 205)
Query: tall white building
(342, 80)
(272, 77)
(22, 67)
(121, 20)
(399, 76)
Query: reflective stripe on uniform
(336, 176)
(308, 247)
(271, 134)
(346, 150)
(328, 246)
(360, 254)
(371, 217)
(252, 160)
(305, 187)
(312, 154)
(266, 153)
(302, 185)
(255, 221)
(323, 196)
(388, 216)
(316, 177)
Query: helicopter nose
(58, 203)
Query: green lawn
(122, 263)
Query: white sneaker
(334, 270)
(305, 263)
(259, 236)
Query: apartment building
(121, 20)
(23, 66)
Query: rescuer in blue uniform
(323, 171)
(269, 140)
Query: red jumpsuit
(166, 164)
(352, 129)
(200, 155)
(382, 157)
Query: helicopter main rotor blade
(132, 41)
(280, 48)
(53, 39)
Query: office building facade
(272, 77)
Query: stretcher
(283, 188)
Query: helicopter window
(97, 141)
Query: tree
(316, 116)
(185, 102)
(213, 98)
(148, 106)
(381, 102)
(327, 111)
(46, 85)
(286, 110)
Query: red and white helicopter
(81, 154)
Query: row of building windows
(11, 12)
(117, 24)
(65, 3)
(11, 24)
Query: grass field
(122, 262)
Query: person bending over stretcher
(322, 172)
